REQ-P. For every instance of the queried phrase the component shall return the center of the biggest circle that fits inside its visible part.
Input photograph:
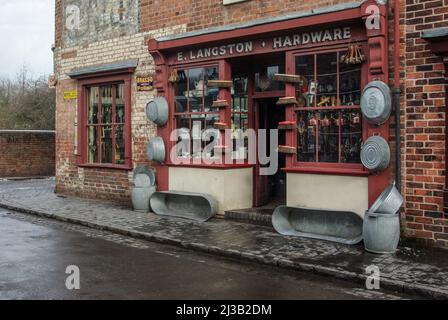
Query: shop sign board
(292, 41)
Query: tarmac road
(35, 252)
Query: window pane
(328, 137)
(119, 145)
(119, 102)
(180, 92)
(93, 105)
(106, 105)
(306, 90)
(211, 94)
(263, 79)
(92, 145)
(351, 125)
(196, 89)
(306, 138)
(327, 68)
(106, 144)
(350, 84)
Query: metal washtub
(194, 206)
(337, 226)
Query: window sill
(106, 166)
(329, 171)
(212, 166)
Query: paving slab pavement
(412, 271)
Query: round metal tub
(144, 177)
(341, 227)
(156, 150)
(389, 202)
(376, 102)
(381, 232)
(375, 154)
(194, 206)
(157, 111)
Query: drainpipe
(397, 93)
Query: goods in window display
(174, 76)
(354, 55)
(376, 102)
(324, 102)
(199, 92)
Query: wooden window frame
(83, 88)
(346, 169)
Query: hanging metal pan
(375, 154)
(157, 111)
(376, 102)
(156, 150)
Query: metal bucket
(141, 197)
(156, 150)
(341, 227)
(376, 102)
(381, 232)
(194, 206)
(390, 201)
(144, 177)
(375, 154)
(157, 111)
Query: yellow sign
(71, 95)
(144, 83)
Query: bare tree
(26, 102)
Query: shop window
(105, 124)
(194, 112)
(264, 77)
(240, 117)
(328, 113)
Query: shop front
(296, 82)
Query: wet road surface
(35, 252)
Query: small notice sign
(70, 95)
(145, 83)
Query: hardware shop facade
(301, 72)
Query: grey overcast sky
(26, 33)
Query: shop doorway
(270, 190)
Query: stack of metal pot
(381, 228)
(143, 189)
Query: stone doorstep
(249, 217)
(386, 283)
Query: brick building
(113, 57)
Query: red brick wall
(27, 154)
(425, 108)
(200, 14)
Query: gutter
(397, 93)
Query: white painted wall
(232, 188)
(342, 193)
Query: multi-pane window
(328, 112)
(106, 124)
(240, 116)
(194, 110)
